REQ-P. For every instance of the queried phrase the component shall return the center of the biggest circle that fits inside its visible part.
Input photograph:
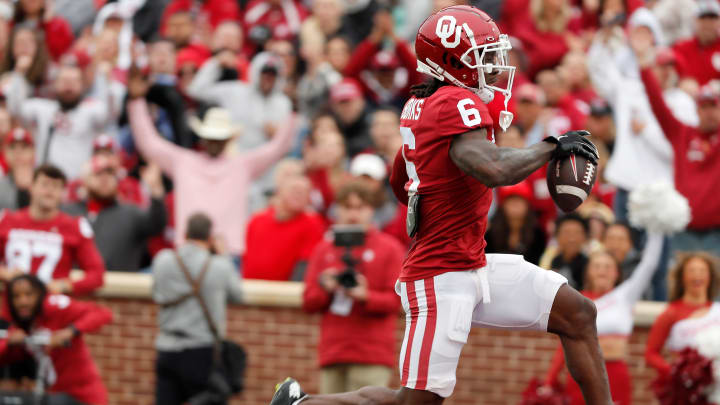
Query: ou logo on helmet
(446, 28)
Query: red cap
(531, 92)
(19, 135)
(665, 56)
(384, 60)
(521, 190)
(104, 142)
(708, 94)
(347, 89)
(193, 55)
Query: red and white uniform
(73, 371)
(615, 318)
(448, 284)
(677, 328)
(49, 249)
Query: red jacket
(367, 334)
(76, 373)
(697, 167)
(363, 55)
(698, 62)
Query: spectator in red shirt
(287, 223)
(35, 313)
(357, 333)
(386, 74)
(699, 57)
(546, 38)
(697, 169)
(43, 241)
(37, 14)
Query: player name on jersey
(412, 109)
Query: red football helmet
(461, 44)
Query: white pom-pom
(657, 207)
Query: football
(570, 181)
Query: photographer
(351, 280)
(185, 342)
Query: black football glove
(574, 142)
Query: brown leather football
(570, 181)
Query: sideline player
(43, 241)
(445, 173)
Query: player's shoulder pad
(84, 227)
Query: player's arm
(495, 166)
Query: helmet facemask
(485, 58)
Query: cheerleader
(614, 301)
(694, 282)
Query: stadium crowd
(277, 119)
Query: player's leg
(523, 296)
(438, 320)
(573, 320)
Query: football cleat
(288, 392)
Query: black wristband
(75, 330)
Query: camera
(348, 237)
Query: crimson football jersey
(453, 206)
(49, 249)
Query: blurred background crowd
(279, 118)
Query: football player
(43, 241)
(445, 173)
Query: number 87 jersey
(453, 206)
(49, 249)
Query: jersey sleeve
(462, 111)
(656, 340)
(85, 316)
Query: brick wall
(494, 369)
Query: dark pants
(182, 375)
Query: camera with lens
(348, 237)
